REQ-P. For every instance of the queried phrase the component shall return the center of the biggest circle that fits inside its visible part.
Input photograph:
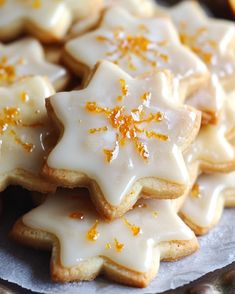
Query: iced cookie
(82, 9)
(49, 21)
(210, 99)
(26, 58)
(25, 134)
(120, 136)
(138, 46)
(211, 39)
(127, 250)
(204, 205)
(141, 8)
(211, 151)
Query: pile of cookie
(136, 157)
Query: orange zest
(27, 146)
(195, 192)
(10, 118)
(124, 90)
(7, 71)
(98, 130)
(126, 45)
(118, 246)
(93, 234)
(196, 44)
(24, 97)
(134, 229)
(128, 126)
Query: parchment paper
(30, 268)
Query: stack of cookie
(144, 139)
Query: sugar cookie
(213, 40)
(114, 132)
(204, 205)
(25, 134)
(211, 151)
(210, 99)
(138, 46)
(25, 58)
(126, 250)
(142, 8)
(49, 21)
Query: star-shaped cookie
(25, 134)
(49, 21)
(210, 100)
(26, 58)
(204, 205)
(211, 151)
(138, 46)
(211, 39)
(127, 250)
(119, 136)
(142, 8)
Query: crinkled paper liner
(30, 268)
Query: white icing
(217, 37)
(27, 58)
(202, 210)
(210, 98)
(13, 155)
(158, 222)
(159, 34)
(78, 150)
(142, 8)
(229, 114)
(82, 8)
(51, 16)
(211, 146)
